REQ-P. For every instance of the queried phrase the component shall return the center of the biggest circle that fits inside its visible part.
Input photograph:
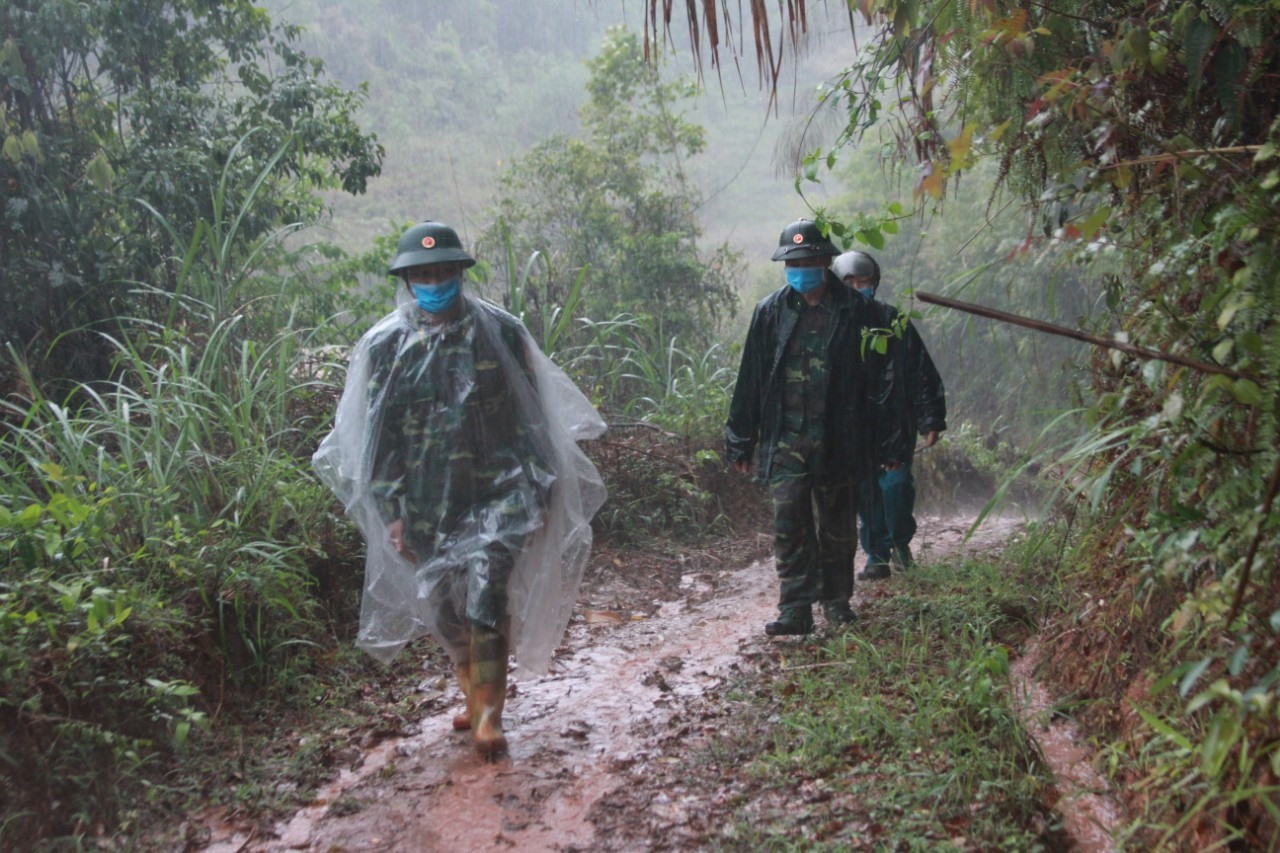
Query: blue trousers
(886, 515)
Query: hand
(395, 532)
(742, 466)
(891, 466)
(930, 438)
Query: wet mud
(621, 682)
(1086, 805)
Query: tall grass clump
(666, 404)
(156, 533)
(1176, 564)
(665, 397)
(167, 560)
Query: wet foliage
(1142, 139)
(105, 123)
(177, 592)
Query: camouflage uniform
(454, 449)
(813, 511)
(800, 400)
(450, 454)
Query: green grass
(167, 565)
(901, 734)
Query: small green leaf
(1094, 222)
(1160, 59)
(1138, 41)
(9, 56)
(1247, 391)
(1228, 75)
(1164, 728)
(1239, 658)
(1193, 675)
(1221, 738)
(1249, 341)
(99, 172)
(1200, 37)
(1229, 313)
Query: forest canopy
(117, 137)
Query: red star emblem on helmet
(798, 239)
(428, 242)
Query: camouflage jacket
(756, 412)
(449, 442)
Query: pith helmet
(803, 239)
(857, 264)
(430, 243)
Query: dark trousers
(886, 510)
(814, 533)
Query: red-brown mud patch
(1088, 809)
(599, 747)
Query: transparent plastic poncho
(454, 449)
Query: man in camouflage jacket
(800, 407)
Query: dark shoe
(791, 622)
(839, 615)
(901, 558)
(877, 572)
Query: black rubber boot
(839, 614)
(792, 621)
(877, 572)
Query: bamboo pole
(1076, 334)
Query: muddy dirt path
(572, 732)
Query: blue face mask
(436, 298)
(804, 279)
(869, 292)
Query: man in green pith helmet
(799, 408)
(454, 449)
